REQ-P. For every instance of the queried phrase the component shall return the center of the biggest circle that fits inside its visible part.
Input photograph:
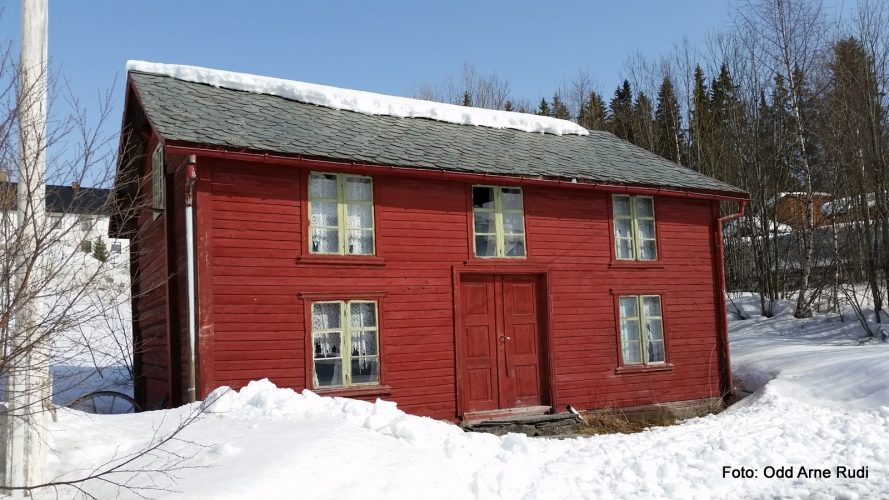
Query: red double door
(501, 342)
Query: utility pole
(29, 384)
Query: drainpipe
(720, 303)
(190, 177)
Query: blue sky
(383, 46)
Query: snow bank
(362, 102)
(819, 403)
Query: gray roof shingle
(199, 113)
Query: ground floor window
(641, 330)
(345, 340)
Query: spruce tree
(700, 121)
(100, 250)
(593, 114)
(543, 108)
(622, 112)
(467, 98)
(643, 131)
(668, 123)
(507, 106)
(560, 109)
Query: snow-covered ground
(819, 401)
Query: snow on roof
(362, 102)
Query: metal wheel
(106, 403)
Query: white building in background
(79, 217)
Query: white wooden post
(29, 384)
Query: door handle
(504, 338)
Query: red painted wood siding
(152, 347)
(257, 236)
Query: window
(115, 248)
(86, 224)
(157, 179)
(55, 222)
(641, 330)
(345, 343)
(341, 219)
(498, 222)
(86, 246)
(634, 234)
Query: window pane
(628, 307)
(654, 329)
(325, 241)
(644, 206)
(322, 186)
(482, 197)
(325, 316)
(359, 189)
(656, 352)
(514, 246)
(511, 198)
(360, 242)
(645, 228)
(359, 216)
(484, 222)
(327, 344)
(365, 370)
(328, 372)
(648, 250)
(624, 249)
(631, 353)
(621, 205)
(363, 314)
(513, 222)
(364, 344)
(486, 246)
(651, 306)
(324, 213)
(623, 228)
(629, 331)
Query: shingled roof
(203, 114)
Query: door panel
(479, 345)
(500, 342)
(522, 348)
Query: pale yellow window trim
(157, 180)
(499, 229)
(346, 331)
(343, 204)
(636, 238)
(642, 319)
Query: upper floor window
(55, 222)
(641, 330)
(345, 343)
(116, 247)
(498, 221)
(86, 223)
(634, 233)
(341, 219)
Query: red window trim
(309, 258)
(626, 369)
(310, 298)
(634, 263)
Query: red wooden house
(454, 269)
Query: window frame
(83, 243)
(116, 248)
(157, 180)
(635, 238)
(364, 389)
(55, 222)
(499, 231)
(342, 214)
(630, 368)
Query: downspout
(190, 177)
(722, 311)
